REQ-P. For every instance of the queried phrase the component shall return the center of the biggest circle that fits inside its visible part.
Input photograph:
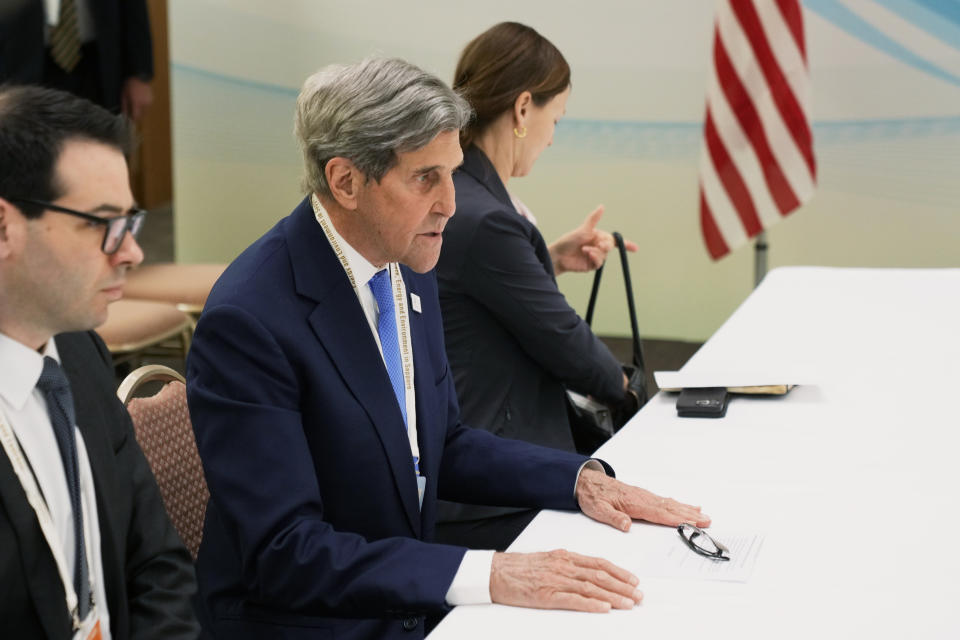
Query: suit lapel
(91, 421)
(342, 329)
(429, 436)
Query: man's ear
(344, 180)
(8, 221)
(521, 107)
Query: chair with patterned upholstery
(163, 429)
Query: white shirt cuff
(471, 585)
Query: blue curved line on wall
(674, 141)
(235, 80)
(677, 129)
(939, 18)
(663, 141)
(856, 26)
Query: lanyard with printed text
(403, 326)
(34, 497)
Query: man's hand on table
(561, 580)
(612, 502)
(565, 580)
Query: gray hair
(368, 113)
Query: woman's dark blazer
(512, 339)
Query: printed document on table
(676, 560)
(647, 550)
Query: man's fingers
(598, 579)
(561, 579)
(685, 513)
(617, 572)
(606, 513)
(631, 246)
(577, 602)
(674, 513)
(592, 590)
(617, 590)
(601, 564)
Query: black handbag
(593, 422)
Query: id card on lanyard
(89, 627)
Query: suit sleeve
(244, 397)
(159, 573)
(481, 468)
(503, 273)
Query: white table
(854, 481)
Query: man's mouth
(114, 291)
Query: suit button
(409, 624)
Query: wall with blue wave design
(886, 96)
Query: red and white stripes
(757, 163)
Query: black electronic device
(703, 402)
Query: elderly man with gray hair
(326, 415)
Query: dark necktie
(56, 390)
(387, 329)
(65, 38)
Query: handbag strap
(631, 307)
(593, 295)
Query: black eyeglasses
(698, 540)
(116, 226)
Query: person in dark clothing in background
(100, 50)
(513, 342)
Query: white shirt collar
(21, 369)
(361, 268)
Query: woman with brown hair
(513, 342)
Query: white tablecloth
(854, 481)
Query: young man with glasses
(86, 548)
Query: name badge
(89, 628)
(415, 302)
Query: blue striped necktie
(55, 387)
(387, 329)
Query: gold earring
(518, 134)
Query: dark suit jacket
(123, 43)
(512, 339)
(313, 529)
(148, 573)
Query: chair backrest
(163, 429)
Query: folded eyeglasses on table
(698, 540)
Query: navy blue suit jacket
(313, 528)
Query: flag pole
(760, 259)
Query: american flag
(757, 163)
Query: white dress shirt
(85, 25)
(471, 584)
(24, 408)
